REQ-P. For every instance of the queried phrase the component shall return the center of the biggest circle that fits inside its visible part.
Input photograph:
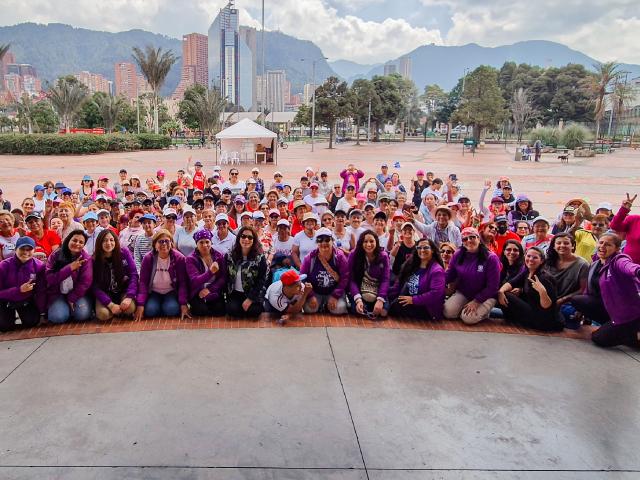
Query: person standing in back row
(538, 148)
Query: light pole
(313, 103)
(262, 82)
(137, 107)
(369, 124)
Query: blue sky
(371, 31)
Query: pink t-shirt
(162, 280)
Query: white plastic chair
(224, 157)
(235, 158)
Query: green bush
(547, 135)
(574, 135)
(55, 144)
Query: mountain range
(56, 49)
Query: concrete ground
(549, 183)
(321, 403)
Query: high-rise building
(307, 94)
(94, 82)
(195, 68)
(231, 58)
(248, 68)
(13, 85)
(404, 67)
(261, 91)
(18, 79)
(286, 92)
(390, 68)
(275, 90)
(126, 80)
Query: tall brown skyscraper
(126, 80)
(195, 68)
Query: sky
(370, 31)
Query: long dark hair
(256, 247)
(503, 257)
(360, 255)
(552, 254)
(483, 253)
(65, 257)
(412, 264)
(102, 274)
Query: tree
(521, 110)
(25, 110)
(154, 65)
(205, 106)
(67, 97)
(89, 116)
(44, 117)
(606, 75)
(332, 103)
(621, 98)
(361, 94)
(110, 108)
(389, 106)
(128, 118)
(482, 104)
(303, 117)
(435, 100)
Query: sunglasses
(424, 247)
(234, 174)
(246, 237)
(492, 227)
(323, 239)
(599, 224)
(446, 251)
(164, 241)
(472, 237)
(510, 249)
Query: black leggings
(591, 307)
(610, 335)
(27, 311)
(409, 311)
(234, 306)
(200, 308)
(520, 312)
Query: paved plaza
(317, 403)
(549, 183)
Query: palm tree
(67, 98)
(26, 114)
(4, 48)
(155, 66)
(606, 74)
(206, 107)
(110, 108)
(621, 98)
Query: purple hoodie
(431, 290)
(177, 272)
(13, 273)
(380, 270)
(357, 175)
(620, 287)
(341, 266)
(478, 282)
(82, 278)
(630, 226)
(131, 276)
(199, 275)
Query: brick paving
(266, 321)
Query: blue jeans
(59, 311)
(159, 305)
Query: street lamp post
(369, 124)
(137, 107)
(313, 103)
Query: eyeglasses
(492, 227)
(468, 239)
(246, 237)
(424, 247)
(511, 250)
(164, 241)
(599, 224)
(446, 251)
(323, 239)
(234, 173)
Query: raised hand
(487, 183)
(537, 284)
(628, 203)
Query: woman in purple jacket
(69, 276)
(420, 288)
(115, 278)
(207, 274)
(327, 271)
(164, 288)
(473, 278)
(620, 289)
(23, 287)
(370, 272)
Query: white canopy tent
(243, 137)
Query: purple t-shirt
(322, 281)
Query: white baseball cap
(284, 222)
(222, 217)
(323, 231)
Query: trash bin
(518, 155)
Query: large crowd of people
(198, 244)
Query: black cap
(226, 191)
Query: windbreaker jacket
(14, 273)
(82, 278)
(130, 277)
(177, 272)
(198, 275)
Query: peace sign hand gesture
(537, 285)
(629, 201)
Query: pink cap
(361, 197)
(159, 172)
(468, 231)
(420, 172)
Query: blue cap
(86, 177)
(148, 216)
(90, 216)
(60, 185)
(174, 200)
(65, 191)
(279, 185)
(38, 188)
(25, 242)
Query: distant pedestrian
(538, 148)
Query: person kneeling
(207, 274)
(287, 295)
(529, 299)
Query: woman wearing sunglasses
(473, 278)
(420, 289)
(207, 275)
(164, 287)
(327, 271)
(370, 275)
(247, 274)
(446, 253)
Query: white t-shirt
(344, 205)
(357, 231)
(343, 241)
(283, 247)
(8, 245)
(304, 243)
(277, 299)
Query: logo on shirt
(480, 268)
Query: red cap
(291, 277)
(469, 231)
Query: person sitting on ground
(115, 278)
(540, 236)
(473, 279)
(22, 287)
(419, 291)
(503, 234)
(207, 275)
(287, 295)
(529, 299)
(369, 276)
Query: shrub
(574, 135)
(547, 135)
(55, 144)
